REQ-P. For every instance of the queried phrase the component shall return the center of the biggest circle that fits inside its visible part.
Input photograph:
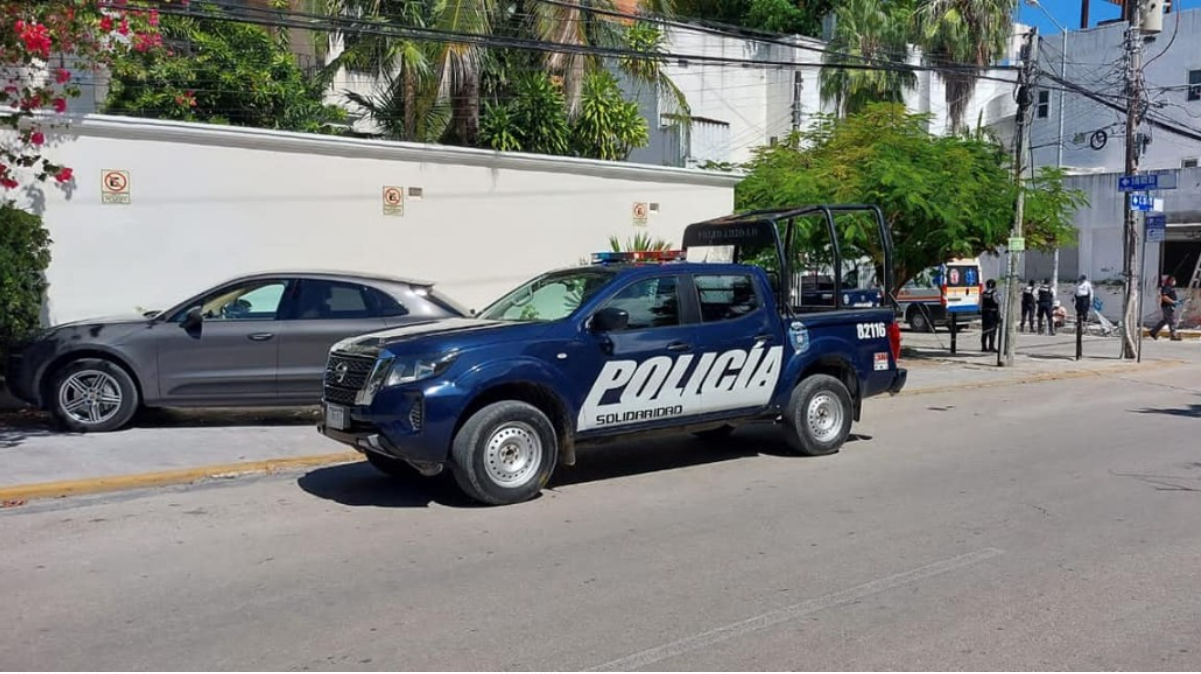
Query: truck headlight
(392, 371)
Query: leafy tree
(24, 256)
(774, 16)
(222, 72)
(865, 31)
(536, 121)
(1050, 211)
(971, 32)
(608, 126)
(84, 32)
(942, 196)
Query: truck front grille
(345, 377)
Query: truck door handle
(260, 336)
(679, 346)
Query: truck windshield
(549, 297)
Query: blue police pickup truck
(633, 344)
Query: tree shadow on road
(358, 484)
(19, 426)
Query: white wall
(211, 202)
(1094, 60)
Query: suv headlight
(391, 371)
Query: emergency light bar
(610, 257)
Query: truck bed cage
(755, 230)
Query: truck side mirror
(610, 319)
(192, 319)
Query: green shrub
(24, 256)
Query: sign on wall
(640, 210)
(114, 186)
(393, 201)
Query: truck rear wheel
(819, 415)
(505, 453)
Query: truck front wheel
(819, 415)
(505, 453)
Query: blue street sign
(1140, 202)
(1147, 181)
(1156, 228)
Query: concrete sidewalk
(173, 447)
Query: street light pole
(1060, 142)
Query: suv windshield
(549, 297)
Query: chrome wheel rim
(824, 416)
(513, 454)
(90, 397)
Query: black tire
(917, 320)
(504, 432)
(827, 428)
(390, 466)
(719, 433)
(108, 405)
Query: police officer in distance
(1028, 306)
(990, 316)
(1046, 302)
(1084, 298)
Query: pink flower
(37, 138)
(106, 23)
(62, 76)
(124, 27)
(60, 105)
(8, 183)
(153, 20)
(63, 175)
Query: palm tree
(867, 31)
(963, 32)
(459, 65)
(405, 106)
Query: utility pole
(1025, 99)
(1131, 321)
(797, 88)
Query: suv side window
(651, 303)
(334, 300)
(253, 301)
(726, 297)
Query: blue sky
(1067, 13)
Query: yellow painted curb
(18, 494)
(1048, 376)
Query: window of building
(1194, 85)
(1044, 104)
(1189, 163)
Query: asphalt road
(1048, 526)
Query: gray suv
(258, 340)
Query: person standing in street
(1046, 303)
(990, 316)
(1028, 306)
(1084, 298)
(1167, 304)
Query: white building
(1093, 145)
(737, 107)
(1094, 130)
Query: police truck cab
(632, 344)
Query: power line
(309, 21)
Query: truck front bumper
(898, 381)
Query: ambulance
(937, 293)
